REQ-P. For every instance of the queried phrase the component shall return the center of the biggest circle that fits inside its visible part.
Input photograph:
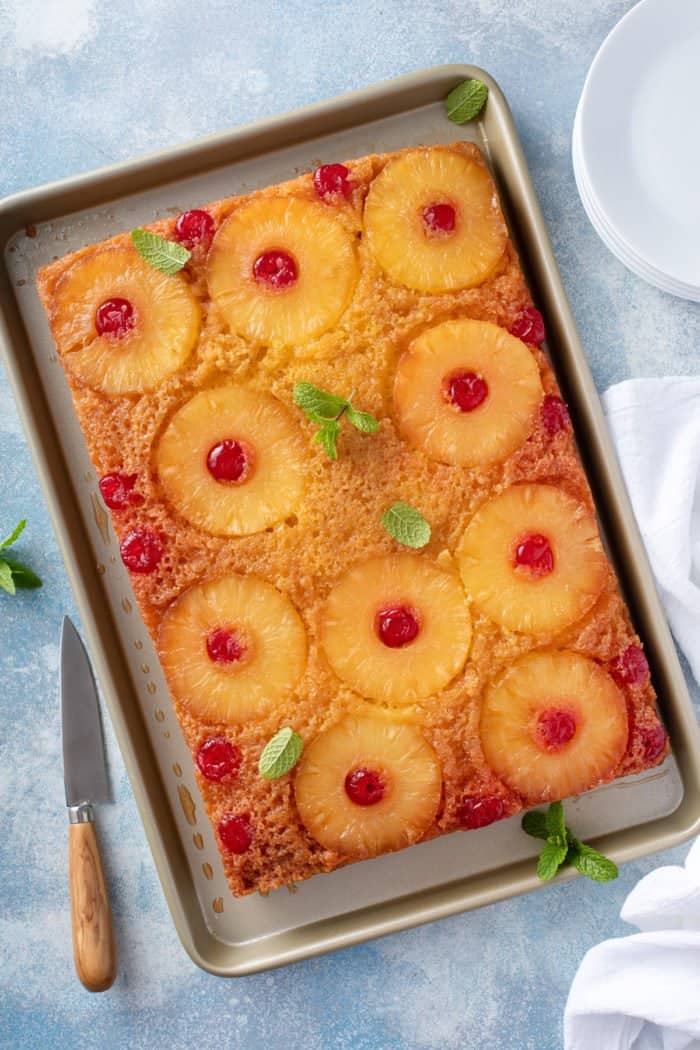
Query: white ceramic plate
(613, 241)
(638, 149)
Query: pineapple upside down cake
(410, 682)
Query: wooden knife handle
(94, 947)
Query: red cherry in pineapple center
(194, 227)
(115, 317)
(365, 787)
(439, 218)
(534, 552)
(229, 460)
(276, 268)
(397, 626)
(467, 390)
(555, 728)
(218, 759)
(225, 646)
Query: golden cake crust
(336, 524)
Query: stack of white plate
(636, 144)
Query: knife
(85, 779)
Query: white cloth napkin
(655, 424)
(642, 992)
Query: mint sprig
(562, 847)
(590, 862)
(326, 410)
(280, 754)
(13, 573)
(551, 859)
(166, 256)
(15, 534)
(466, 101)
(555, 822)
(406, 524)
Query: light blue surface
(86, 82)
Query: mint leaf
(562, 845)
(318, 404)
(362, 421)
(166, 256)
(591, 863)
(326, 409)
(6, 581)
(466, 101)
(554, 820)
(535, 823)
(14, 535)
(406, 524)
(22, 575)
(280, 754)
(551, 859)
(328, 435)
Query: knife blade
(86, 783)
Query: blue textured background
(86, 82)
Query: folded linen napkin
(643, 992)
(655, 424)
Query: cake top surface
(345, 359)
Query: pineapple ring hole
(465, 391)
(439, 219)
(555, 728)
(228, 645)
(366, 787)
(397, 625)
(115, 317)
(231, 461)
(276, 269)
(532, 552)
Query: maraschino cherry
(365, 787)
(467, 390)
(277, 269)
(115, 317)
(236, 833)
(332, 180)
(397, 625)
(194, 227)
(218, 759)
(229, 460)
(475, 811)
(225, 646)
(534, 553)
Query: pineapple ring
(326, 270)
(416, 670)
(518, 600)
(394, 210)
(166, 330)
(493, 430)
(411, 773)
(271, 491)
(532, 686)
(274, 655)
